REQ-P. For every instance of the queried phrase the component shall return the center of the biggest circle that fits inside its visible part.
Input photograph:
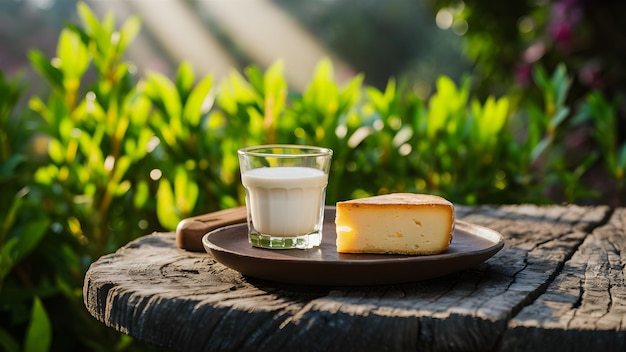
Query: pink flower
(564, 17)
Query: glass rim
(307, 151)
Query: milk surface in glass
(286, 201)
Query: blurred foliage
(126, 155)
(504, 40)
(604, 115)
(22, 227)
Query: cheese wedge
(399, 223)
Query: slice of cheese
(401, 223)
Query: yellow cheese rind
(399, 223)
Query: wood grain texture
(561, 270)
(584, 308)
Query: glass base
(300, 242)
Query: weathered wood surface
(557, 284)
(584, 307)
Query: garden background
(104, 138)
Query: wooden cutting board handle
(190, 231)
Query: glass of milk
(285, 194)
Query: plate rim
(393, 257)
(475, 257)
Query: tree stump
(557, 284)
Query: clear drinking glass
(285, 194)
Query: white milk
(286, 201)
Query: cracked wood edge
(584, 308)
(151, 281)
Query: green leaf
(139, 111)
(90, 147)
(137, 149)
(163, 92)
(128, 32)
(74, 58)
(447, 102)
(275, 88)
(255, 125)
(186, 192)
(32, 233)
(122, 188)
(377, 98)
(39, 333)
(184, 80)
(122, 164)
(539, 149)
(390, 90)
(490, 118)
(51, 74)
(56, 151)
(196, 104)
(500, 114)
(166, 206)
(255, 78)
(351, 92)
(142, 194)
(235, 91)
(47, 174)
(90, 21)
(100, 32)
(561, 84)
(559, 116)
(84, 37)
(322, 93)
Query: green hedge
(125, 155)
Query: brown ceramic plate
(471, 245)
